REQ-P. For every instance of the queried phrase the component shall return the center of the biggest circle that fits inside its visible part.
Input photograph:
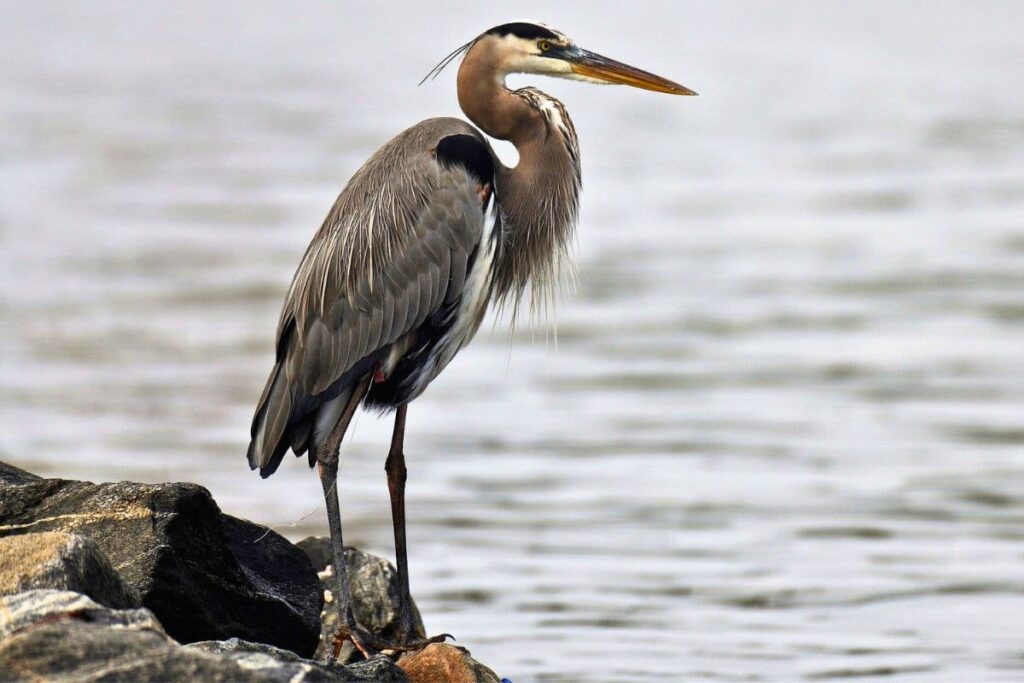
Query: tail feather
(299, 436)
(286, 417)
(268, 445)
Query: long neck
(539, 197)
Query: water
(781, 435)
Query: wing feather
(387, 314)
(376, 326)
(443, 281)
(392, 250)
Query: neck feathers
(538, 199)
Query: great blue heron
(425, 236)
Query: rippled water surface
(781, 435)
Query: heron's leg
(395, 468)
(408, 636)
(327, 467)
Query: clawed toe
(363, 641)
(420, 643)
(369, 645)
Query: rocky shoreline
(152, 582)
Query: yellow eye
(544, 46)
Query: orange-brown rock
(443, 663)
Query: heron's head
(533, 48)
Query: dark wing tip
(268, 465)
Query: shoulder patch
(470, 153)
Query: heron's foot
(364, 641)
(415, 644)
(369, 645)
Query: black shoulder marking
(470, 153)
(523, 29)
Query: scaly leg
(408, 635)
(327, 467)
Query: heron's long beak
(598, 67)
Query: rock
(205, 575)
(73, 552)
(443, 663)
(59, 635)
(256, 656)
(318, 550)
(9, 474)
(62, 561)
(56, 635)
(375, 595)
(25, 611)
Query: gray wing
(393, 249)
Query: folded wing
(393, 249)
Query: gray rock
(206, 575)
(56, 635)
(375, 595)
(61, 561)
(318, 550)
(9, 474)
(59, 635)
(260, 657)
(23, 611)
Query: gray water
(781, 434)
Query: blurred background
(781, 434)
